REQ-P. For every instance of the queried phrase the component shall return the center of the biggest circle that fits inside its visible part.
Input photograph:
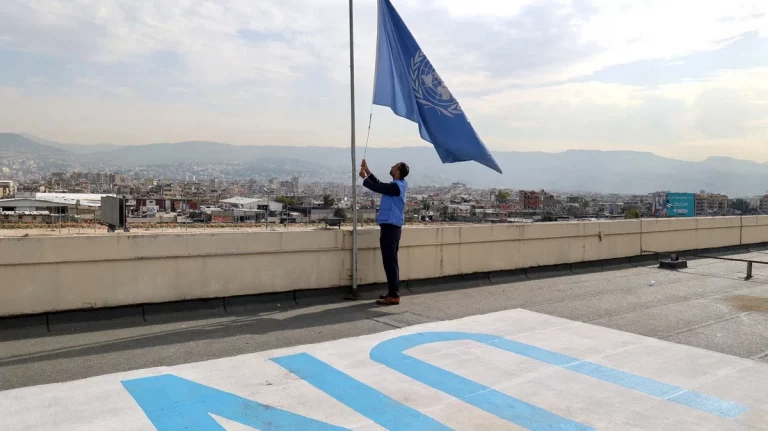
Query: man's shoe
(388, 301)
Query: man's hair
(404, 170)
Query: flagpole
(352, 139)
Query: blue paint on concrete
(391, 353)
(709, 404)
(360, 397)
(623, 378)
(529, 416)
(696, 400)
(533, 352)
(175, 404)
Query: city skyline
(686, 81)
(573, 170)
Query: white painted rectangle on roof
(510, 370)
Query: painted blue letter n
(175, 404)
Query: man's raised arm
(372, 183)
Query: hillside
(575, 170)
(11, 143)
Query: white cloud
(686, 120)
(205, 33)
(263, 71)
(475, 8)
(630, 31)
(749, 84)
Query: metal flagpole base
(354, 296)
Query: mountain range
(573, 170)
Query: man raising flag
(391, 218)
(406, 82)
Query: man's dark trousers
(390, 245)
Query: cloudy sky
(680, 78)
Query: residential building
(115, 179)
(537, 200)
(459, 210)
(711, 204)
(253, 204)
(513, 206)
(56, 206)
(7, 189)
(242, 203)
(457, 188)
(531, 200)
(26, 217)
(548, 201)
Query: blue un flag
(407, 83)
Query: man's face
(394, 171)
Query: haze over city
(684, 79)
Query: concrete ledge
(260, 303)
(548, 271)
(506, 277)
(44, 274)
(322, 296)
(104, 318)
(614, 264)
(721, 251)
(741, 248)
(184, 310)
(449, 283)
(758, 247)
(587, 267)
(94, 317)
(12, 328)
(645, 260)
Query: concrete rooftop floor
(709, 306)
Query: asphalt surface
(709, 305)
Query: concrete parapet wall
(754, 229)
(47, 274)
(692, 233)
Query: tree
(548, 217)
(288, 201)
(340, 213)
(502, 196)
(740, 205)
(328, 201)
(632, 214)
(445, 213)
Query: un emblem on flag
(430, 89)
